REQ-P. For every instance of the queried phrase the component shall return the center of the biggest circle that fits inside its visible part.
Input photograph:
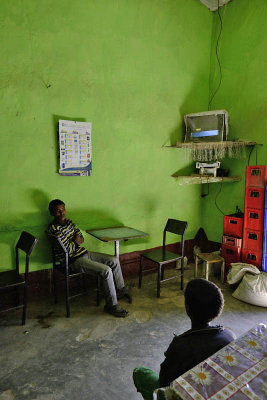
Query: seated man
(106, 266)
(203, 302)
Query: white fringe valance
(211, 151)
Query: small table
(236, 372)
(209, 258)
(115, 234)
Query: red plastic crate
(231, 254)
(253, 219)
(233, 226)
(252, 239)
(252, 257)
(232, 241)
(254, 197)
(256, 175)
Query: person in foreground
(203, 302)
(95, 264)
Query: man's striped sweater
(66, 234)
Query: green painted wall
(243, 93)
(131, 67)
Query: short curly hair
(53, 204)
(204, 300)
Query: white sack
(238, 270)
(253, 289)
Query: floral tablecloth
(238, 371)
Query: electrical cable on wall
(202, 189)
(250, 154)
(254, 147)
(217, 56)
(219, 191)
(218, 87)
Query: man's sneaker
(116, 310)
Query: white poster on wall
(75, 148)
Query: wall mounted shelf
(219, 150)
(203, 145)
(200, 179)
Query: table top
(210, 257)
(116, 233)
(238, 371)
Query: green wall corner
(133, 69)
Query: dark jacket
(189, 349)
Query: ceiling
(213, 4)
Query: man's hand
(78, 238)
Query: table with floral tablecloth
(236, 372)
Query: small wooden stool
(209, 258)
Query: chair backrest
(26, 243)
(57, 248)
(177, 227)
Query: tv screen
(209, 126)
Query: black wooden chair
(162, 257)
(65, 268)
(12, 280)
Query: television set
(208, 126)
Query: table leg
(222, 271)
(196, 265)
(117, 248)
(206, 270)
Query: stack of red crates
(232, 239)
(256, 179)
(264, 244)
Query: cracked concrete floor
(91, 355)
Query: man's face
(60, 214)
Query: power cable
(202, 189)
(250, 154)
(256, 155)
(219, 191)
(217, 56)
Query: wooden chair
(65, 268)
(12, 280)
(162, 257)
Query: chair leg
(55, 285)
(67, 297)
(162, 273)
(24, 309)
(17, 296)
(182, 273)
(140, 272)
(159, 276)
